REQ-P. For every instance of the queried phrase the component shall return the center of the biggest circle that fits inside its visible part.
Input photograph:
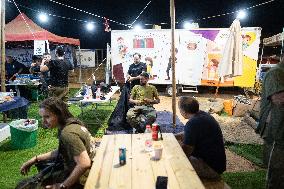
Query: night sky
(269, 16)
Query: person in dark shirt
(58, 81)
(35, 65)
(135, 70)
(202, 140)
(13, 68)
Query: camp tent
(23, 28)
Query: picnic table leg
(4, 117)
(81, 106)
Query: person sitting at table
(202, 140)
(143, 97)
(58, 81)
(75, 147)
(13, 68)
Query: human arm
(273, 87)
(156, 99)
(18, 69)
(83, 163)
(129, 78)
(278, 98)
(133, 101)
(133, 97)
(44, 66)
(70, 65)
(190, 137)
(42, 157)
(188, 149)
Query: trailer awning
(274, 40)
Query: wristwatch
(62, 186)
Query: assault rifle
(46, 170)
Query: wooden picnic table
(140, 171)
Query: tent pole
(3, 56)
(107, 69)
(282, 43)
(80, 69)
(172, 14)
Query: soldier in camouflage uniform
(143, 97)
(271, 125)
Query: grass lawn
(11, 160)
(247, 180)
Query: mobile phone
(161, 182)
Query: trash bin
(23, 135)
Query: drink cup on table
(157, 151)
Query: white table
(97, 101)
(16, 84)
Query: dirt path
(233, 130)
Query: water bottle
(148, 141)
(11, 93)
(98, 93)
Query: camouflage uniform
(271, 126)
(142, 114)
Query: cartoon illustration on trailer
(122, 48)
(149, 63)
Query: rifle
(36, 181)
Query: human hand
(25, 168)
(54, 186)
(147, 101)
(33, 64)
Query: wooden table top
(140, 171)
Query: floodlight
(137, 27)
(241, 14)
(187, 25)
(43, 17)
(90, 26)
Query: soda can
(122, 156)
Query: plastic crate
(23, 139)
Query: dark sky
(269, 16)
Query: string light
(62, 17)
(129, 25)
(28, 26)
(140, 14)
(80, 10)
(223, 14)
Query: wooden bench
(213, 184)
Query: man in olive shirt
(143, 97)
(271, 124)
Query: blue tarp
(16, 103)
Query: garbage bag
(117, 120)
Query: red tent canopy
(17, 30)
